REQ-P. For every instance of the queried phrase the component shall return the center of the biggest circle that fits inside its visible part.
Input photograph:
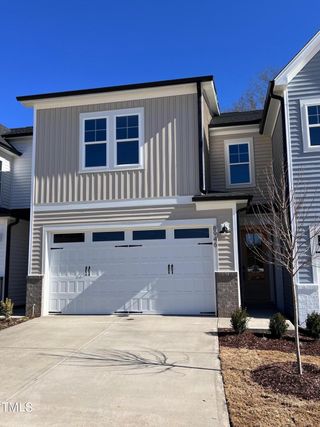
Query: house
(15, 185)
(292, 118)
(142, 195)
(139, 202)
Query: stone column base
(227, 293)
(34, 296)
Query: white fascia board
(165, 201)
(298, 62)
(211, 97)
(272, 117)
(234, 130)
(117, 96)
(218, 204)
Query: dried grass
(250, 404)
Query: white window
(310, 119)
(111, 140)
(239, 162)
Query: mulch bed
(283, 378)
(255, 341)
(11, 322)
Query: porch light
(225, 228)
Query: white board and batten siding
(305, 171)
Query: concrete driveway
(110, 371)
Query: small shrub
(313, 324)
(239, 320)
(6, 308)
(278, 325)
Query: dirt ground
(252, 405)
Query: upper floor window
(314, 124)
(239, 165)
(111, 140)
(310, 118)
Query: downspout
(201, 141)
(7, 268)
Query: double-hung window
(310, 110)
(239, 165)
(111, 140)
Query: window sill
(106, 170)
(235, 186)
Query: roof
(16, 132)
(117, 88)
(235, 118)
(298, 62)
(6, 134)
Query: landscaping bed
(261, 383)
(11, 322)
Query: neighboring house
(292, 117)
(15, 185)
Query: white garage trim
(47, 230)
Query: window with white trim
(314, 124)
(111, 140)
(239, 168)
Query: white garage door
(164, 271)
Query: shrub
(313, 324)
(278, 325)
(239, 320)
(6, 308)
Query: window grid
(313, 112)
(95, 142)
(127, 140)
(239, 157)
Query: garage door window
(68, 238)
(191, 233)
(108, 236)
(149, 234)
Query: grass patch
(253, 404)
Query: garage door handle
(168, 268)
(86, 271)
(171, 268)
(89, 269)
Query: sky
(48, 46)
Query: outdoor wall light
(225, 228)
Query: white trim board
(165, 201)
(234, 130)
(106, 97)
(298, 62)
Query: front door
(255, 277)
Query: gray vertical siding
(170, 154)
(18, 266)
(21, 174)
(6, 175)
(105, 216)
(306, 166)
(262, 161)
(206, 121)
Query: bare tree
(253, 98)
(288, 227)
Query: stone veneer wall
(34, 296)
(227, 293)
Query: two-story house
(292, 118)
(15, 185)
(140, 201)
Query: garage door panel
(135, 278)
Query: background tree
(254, 96)
(288, 228)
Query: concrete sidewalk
(112, 370)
